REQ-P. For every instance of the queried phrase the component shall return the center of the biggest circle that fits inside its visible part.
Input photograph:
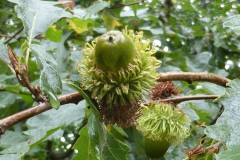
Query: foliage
(226, 124)
(189, 36)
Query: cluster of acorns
(120, 70)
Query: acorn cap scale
(113, 50)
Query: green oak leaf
(226, 129)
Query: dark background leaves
(188, 36)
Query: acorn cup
(161, 124)
(119, 69)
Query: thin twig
(21, 71)
(191, 76)
(177, 100)
(218, 115)
(18, 32)
(33, 111)
(214, 121)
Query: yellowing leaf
(110, 21)
(79, 25)
(54, 34)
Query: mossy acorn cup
(162, 124)
(114, 50)
(119, 69)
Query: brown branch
(72, 98)
(75, 97)
(21, 71)
(177, 100)
(33, 111)
(18, 32)
(191, 76)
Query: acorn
(155, 148)
(161, 124)
(114, 50)
(119, 69)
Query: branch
(75, 97)
(33, 111)
(21, 71)
(18, 32)
(218, 115)
(191, 76)
(177, 100)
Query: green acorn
(161, 124)
(119, 77)
(114, 50)
(155, 148)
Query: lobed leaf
(42, 56)
(233, 22)
(48, 123)
(225, 129)
(38, 15)
(231, 154)
(4, 54)
(92, 10)
(96, 140)
(87, 143)
(50, 83)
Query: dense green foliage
(189, 36)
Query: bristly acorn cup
(161, 124)
(119, 69)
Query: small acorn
(155, 148)
(161, 124)
(114, 50)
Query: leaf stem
(30, 38)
